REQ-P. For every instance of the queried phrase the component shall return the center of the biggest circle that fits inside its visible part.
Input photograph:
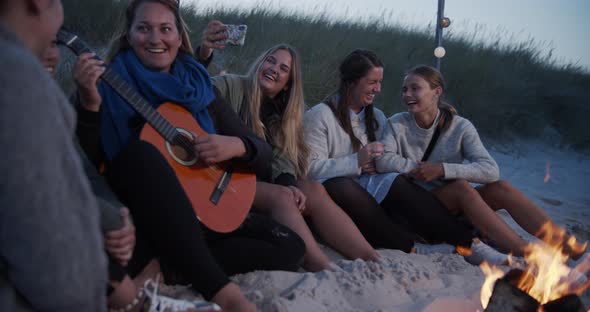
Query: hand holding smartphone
(217, 35)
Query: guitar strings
(78, 47)
(187, 144)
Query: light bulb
(445, 22)
(439, 52)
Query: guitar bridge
(221, 185)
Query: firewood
(569, 303)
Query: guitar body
(199, 181)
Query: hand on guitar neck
(87, 71)
(213, 148)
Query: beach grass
(509, 91)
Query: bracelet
(131, 305)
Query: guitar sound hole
(182, 153)
(181, 149)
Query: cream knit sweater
(458, 148)
(331, 153)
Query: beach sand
(410, 282)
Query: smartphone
(236, 35)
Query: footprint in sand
(551, 201)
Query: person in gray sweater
(115, 221)
(51, 250)
(457, 159)
(342, 133)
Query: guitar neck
(136, 101)
(141, 106)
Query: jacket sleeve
(50, 240)
(481, 167)
(283, 171)
(318, 128)
(108, 204)
(89, 148)
(206, 62)
(392, 160)
(88, 132)
(258, 152)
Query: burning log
(566, 303)
(507, 297)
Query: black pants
(408, 213)
(167, 228)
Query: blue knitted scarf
(187, 84)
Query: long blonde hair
(287, 134)
(121, 42)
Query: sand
(410, 282)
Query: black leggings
(408, 214)
(166, 227)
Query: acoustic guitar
(221, 196)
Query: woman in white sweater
(342, 135)
(457, 159)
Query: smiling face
(154, 36)
(50, 58)
(419, 96)
(365, 89)
(275, 73)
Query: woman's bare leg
(460, 196)
(502, 195)
(125, 291)
(151, 271)
(333, 224)
(123, 294)
(278, 201)
(230, 298)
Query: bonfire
(546, 276)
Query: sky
(563, 25)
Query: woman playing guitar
(153, 56)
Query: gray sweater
(331, 153)
(51, 250)
(405, 144)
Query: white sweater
(405, 144)
(331, 153)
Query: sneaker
(425, 249)
(160, 303)
(481, 252)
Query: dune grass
(508, 91)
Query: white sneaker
(425, 249)
(161, 303)
(481, 252)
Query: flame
(547, 276)
(492, 273)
